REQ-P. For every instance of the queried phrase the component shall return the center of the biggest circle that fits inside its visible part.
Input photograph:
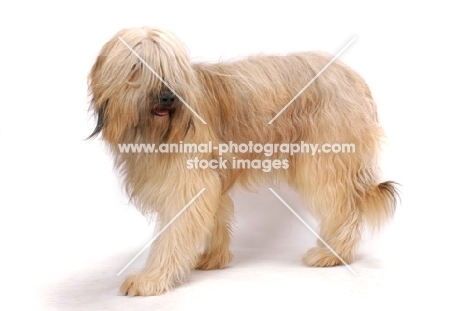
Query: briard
(145, 90)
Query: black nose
(166, 98)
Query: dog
(145, 90)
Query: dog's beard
(158, 121)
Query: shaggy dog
(145, 90)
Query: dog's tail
(379, 203)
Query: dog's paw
(143, 285)
(322, 257)
(214, 261)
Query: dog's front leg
(175, 252)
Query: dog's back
(247, 94)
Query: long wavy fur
(237, 100)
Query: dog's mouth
(160, 112)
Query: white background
(66, 227)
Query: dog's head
(138, 83)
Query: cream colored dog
(237, 100)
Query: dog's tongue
(161, 112)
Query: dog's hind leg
(216, 254)
(340, 226)
(343, 195)
(175, 252)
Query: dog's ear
(100, 122)
(97, 104)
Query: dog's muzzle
(165, 104)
